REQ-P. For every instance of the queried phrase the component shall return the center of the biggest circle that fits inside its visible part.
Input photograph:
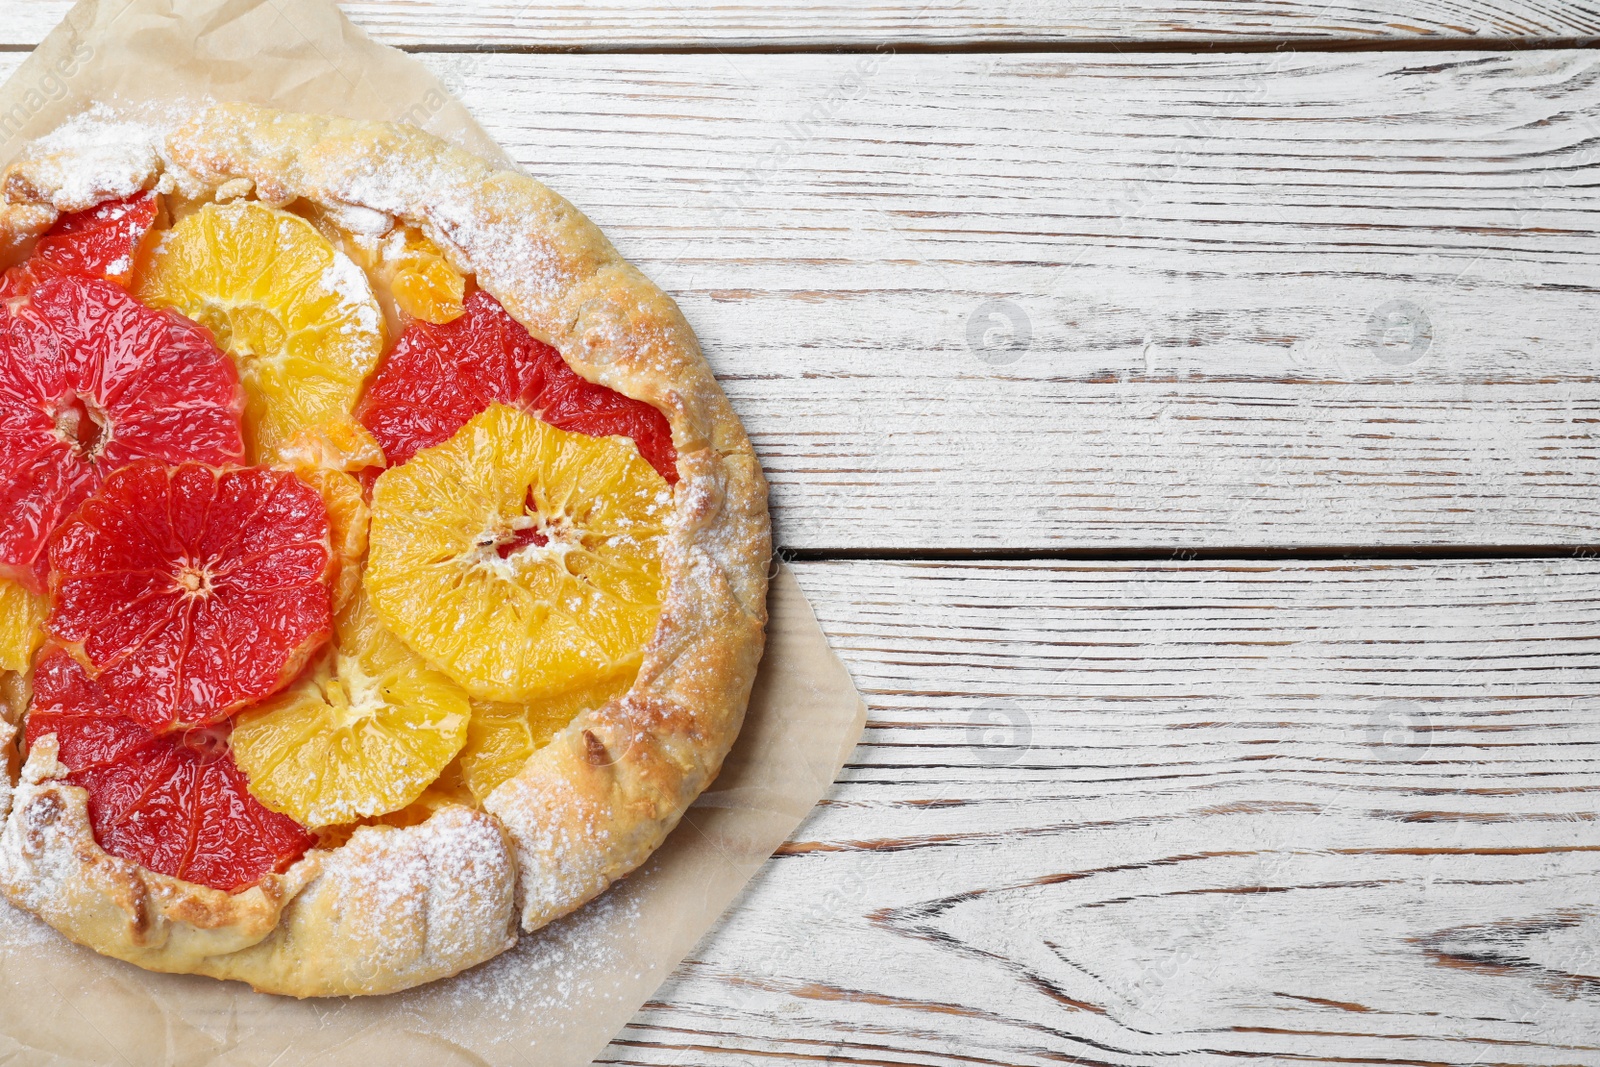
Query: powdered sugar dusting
(36, 856)
(562, 848)
(438, 872)
(577, 979)
(19, 929)
(489, 229)
(417, 903)
(8, 737)
(358, 307)
(361, 221)
(94, 157)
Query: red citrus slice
(439, 376)
(91, 380)
(103, 242)
(192, 591)
(174, 803)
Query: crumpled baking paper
(560, 996)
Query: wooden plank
(1277, 300)
(1183, 812)
(1263, 300)
(653, 24)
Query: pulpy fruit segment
(348, 518)
(91, 380)
(437, 377)
(363, 734)
(425, 286)
(410, 275)
(21, 626)
(174, 803)
(103, 242)
(297, 316)
(192, 592)
(520, 559)
(341, 445)
(501, 737)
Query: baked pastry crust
(393, 908)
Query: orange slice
(409, 273)
(364, 733)
(298, 317)
(501, 737)
(425, 286)
(21, 626)
(341, 445)
(522, 560)
(348, 517)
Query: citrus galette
(381, 568)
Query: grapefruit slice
(192, 592)
(103, 242)
(520, 559)
(298, 316)
(174, 803)
(439, 376)
(363, 734)
(501, 737)
(91, 380)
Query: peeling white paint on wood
(1179, 812)
(1022, 302)
(1182, 812)
(1041, 302)
(653, 24)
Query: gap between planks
(997, 47)
(1003, 47)
(1000, 47)
(1178, 554)
(651, 26)
(1276, 301)
(1180, 813)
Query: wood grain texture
(1182, 812)
(1020, 303)
(1010, 302)
(655, 24)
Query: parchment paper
(561, 995)
(300, 55)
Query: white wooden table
(1183, 416)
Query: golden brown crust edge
(592, 805)
(393, 908)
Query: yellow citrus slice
(409, 273)
(425, 286)
(348, 517)
(363, 733)
(21, 626)
(450, 788)
(501, 736)
(297, 316)
(342, 445)
(520, 559)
